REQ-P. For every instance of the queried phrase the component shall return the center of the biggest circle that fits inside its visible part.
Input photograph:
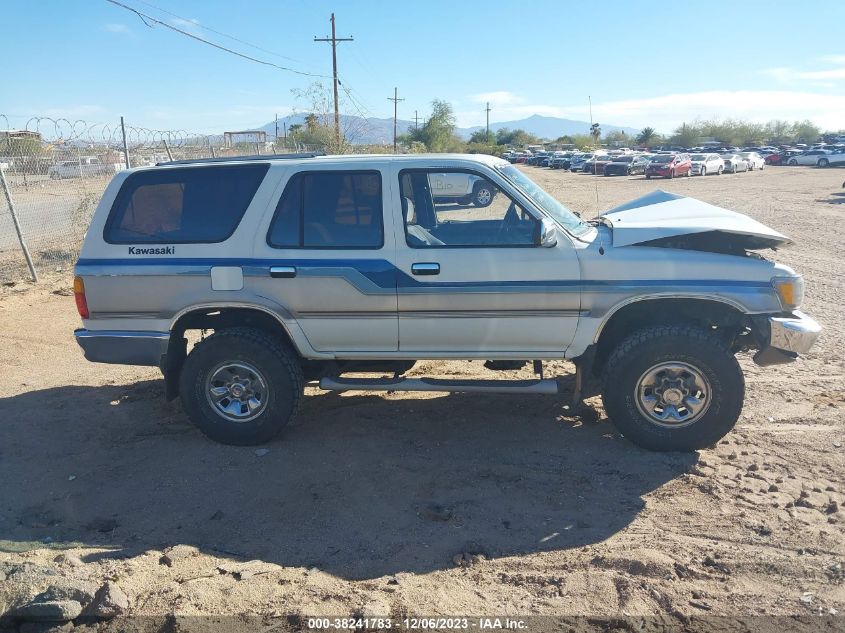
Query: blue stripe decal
(378, 276)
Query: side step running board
(546, 386)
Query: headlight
(790, 291)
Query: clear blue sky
(643, 63)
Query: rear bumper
(788, 337)
(123, 347)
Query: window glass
(182, 205)
(456, 208)
(329, 210)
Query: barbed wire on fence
(56, 170)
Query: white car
(817, 157)
(703, 164)
(461, 187)
(834, 159)
(735, 163)
(86, 166)
(754, 160)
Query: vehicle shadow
(361, 487)
(837, 197)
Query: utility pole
(416, 121)
(395, 99)
(276, 140)
(488, 121)
(334, 40)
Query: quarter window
(182, 205)
(329, 210)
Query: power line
(211, 30)
(144, 17)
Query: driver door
(472, 278)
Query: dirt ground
(426, 504)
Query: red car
(669, 166)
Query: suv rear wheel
(673, 388)
(482, 194)
(241, 386)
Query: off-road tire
(276, 361)
(687, 344)
(476, 191)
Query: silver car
(735, 163)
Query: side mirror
(547, 233)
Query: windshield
(698, 157)
(662, 158)
(623, 159)
(555, 209)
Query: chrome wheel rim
(673, 394)
(483, 196)
(236, 391)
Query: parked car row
(656, 165)
(703, 161)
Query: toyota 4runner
(306, 268)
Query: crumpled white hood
(661, 214)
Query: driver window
(458, 208)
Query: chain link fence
(54, 172)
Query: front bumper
(788, 337)
(122, 347)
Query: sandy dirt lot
(435, 504)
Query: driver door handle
(425, 268)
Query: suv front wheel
(673, 388)
(241, 386)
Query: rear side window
(183, 205)
(329, 210)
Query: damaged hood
(660, 215)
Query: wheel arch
(216, 317)
(719, 313)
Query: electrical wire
(211, 30)
(144, 17)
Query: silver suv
(306, 268)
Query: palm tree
(646, 135)
(595, 132)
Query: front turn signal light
(790, 291)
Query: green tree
(483, 137)
(595, 132)
(685, 135)
(805, 132)
(646, 136)
(515, 137)
(438, 132)
(617, 138)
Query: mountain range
(372, 130)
